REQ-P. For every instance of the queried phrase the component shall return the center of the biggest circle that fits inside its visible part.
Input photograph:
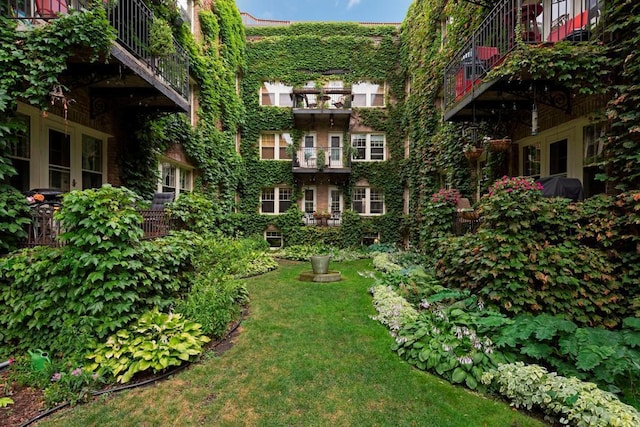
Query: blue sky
(327, 10)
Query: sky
(327, 10)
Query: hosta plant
(436, 343)
(567, 401)
(393, 311)
(155, 342)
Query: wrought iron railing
(511, 22)
(132, 21)
(325, 98)
(320, 157)
(44, 228)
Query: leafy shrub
(198, 212)
(155, 342)
(99, 282)
(568, 400)
(523, 259)
(438, 218)
(14, 216)
(603, 356)
(213, 303)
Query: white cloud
(353, 3)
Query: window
(593, 143)
(59, 160)
(275, 200)
(368, 201)
(335, 199)
(91, 162)
(274, 239)
(368, 147)
(276, 94)
(558, 158)
(20, 155)
(309, 199)
(366, 94)
(275, 146)
(169, 173)
(531, 160)
(175, 178)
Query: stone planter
(320, 263)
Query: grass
(308, 355)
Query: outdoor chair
(161, 199)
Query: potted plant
(321, 161)
(472, 152)
(160, 39)
(499, 144)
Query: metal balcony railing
(323, 98)
(43, 228)
(312, 157)
(511, 22)
(132, 21)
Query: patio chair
(50, 8)
(161, 199)
(336, 218)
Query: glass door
(335, 159)
(59, 160)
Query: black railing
(320, 157)
(132, 21)
(44, 228)
(511, 22)
(325, 98)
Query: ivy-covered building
(79, 75)
(553, 77)
(323, 132)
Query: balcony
(311, 160)
(313, 106)
(543, 23)
(132, 20)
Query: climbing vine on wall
(302, 52)
(32, 60)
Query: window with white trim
(367, 94)
(274, 239)
(276, 94)
(275, 146)
(275, 200)
(368, 146)
(20, 155)
(175, 178)
(91, 162)
(368, 201)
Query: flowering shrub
(515, 184)
(71, 387)
(448, 196)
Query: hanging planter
(473, 153)
(499, 144)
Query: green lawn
(308, 355)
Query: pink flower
(56, 377)
(76, 372)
